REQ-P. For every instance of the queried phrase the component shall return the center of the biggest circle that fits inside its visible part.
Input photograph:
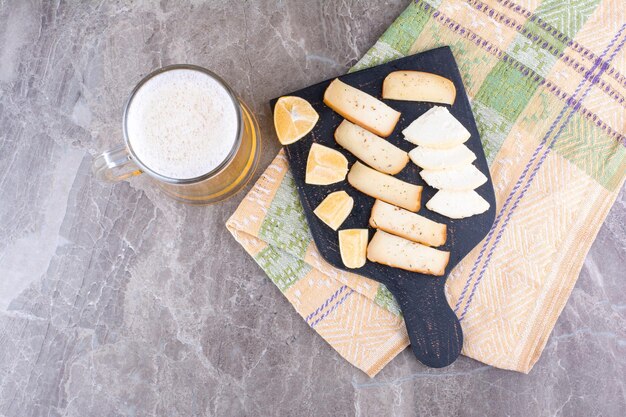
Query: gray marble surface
(115, 301)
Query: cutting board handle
(433, 328)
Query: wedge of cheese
(403, 223)
(335, 209)
(385, 187)
(429, 158)
(437, 129)
(463, 178)
(361, 108)
(418, 86)
(371, 149)
(457, 204)
(397, 252)
(353, 247)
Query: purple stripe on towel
(333, 308)
(326, 303)
(588, 76)
(492, 49)
(518, 184)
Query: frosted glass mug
(219, 183)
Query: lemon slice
(335, 208)
(353, 247)
(294, 117)
(325, 166)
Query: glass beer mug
(185, 128)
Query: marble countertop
(115, 301)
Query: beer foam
(181, 123)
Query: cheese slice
(429, 158)
(418, 86)
(335, 209)
(436, 128)
(353, 247)
(371, 149)
(465, 177)
(457, 204)
(385, 187)
(403, 223)
(398, 252)
(361, 108)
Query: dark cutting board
(434, 330)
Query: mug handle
(114, 165)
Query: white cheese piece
(429, 158)
(403, 223)
(385, 187)
(398, 252)
(361, 108)
(436, 128)
(457, 204)
(371, 149)
(463, 178)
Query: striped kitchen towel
(547, 84)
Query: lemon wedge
(353, 247)
(294, 117)
(325, 166)
(335, 208)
